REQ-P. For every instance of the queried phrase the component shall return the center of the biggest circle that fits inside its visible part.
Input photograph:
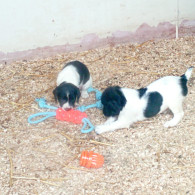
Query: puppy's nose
(67, 109)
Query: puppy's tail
(188, 73)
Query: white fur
(70, 75)
(66, 106)
(170, 90)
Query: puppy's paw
(107, 122)
(170, 123)
(84, 94)
(99, 129)
(110, 120)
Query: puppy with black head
(124, 106)
(72, 82)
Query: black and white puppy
(72, 82)
(124, 106)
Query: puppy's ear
(55, 94)
(111, 108)
(78, 95)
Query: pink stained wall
(51, 30)
(143, 33)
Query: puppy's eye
(64, 98)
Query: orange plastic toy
(74, 116)
(89, 159)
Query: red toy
(90, 159)
(74, 116)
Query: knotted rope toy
(77, 116)
(98, 104)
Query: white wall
(28, 24)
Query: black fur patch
(183, 84)
(153, 105)
(82, 71)
(66, 92)
(113, 101)
(142, 91)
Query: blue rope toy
(42, 104)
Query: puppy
(72, 82)
(125, 106)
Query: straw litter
(144, 159)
